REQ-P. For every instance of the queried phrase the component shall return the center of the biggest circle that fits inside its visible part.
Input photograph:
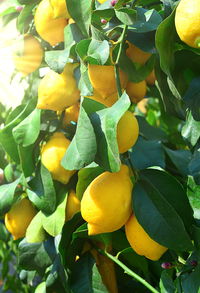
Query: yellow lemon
(136, 90)
(103, 80)
(141, 242)
(71, 114)
(51, 155)
(72, 206)
(59, 8)
(31, 56)
(127, 132)
(136, 54)
(187, 19)
(107, 101)
(19, 217)
(58, 91)
(49, 28)
(106, 203)
(151, 78)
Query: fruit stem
(119, 90)
(129, 272)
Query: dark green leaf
(192, 98)
(172, 191)
(166, 283)
(27, 131)
(81, 14)
(7, 192)
(27, 159)
(126, 15)
(36, 256)
(158, 218)
(105, 126)
(147, 153)
(191, 282)
(85, 177)
(82, 149)
(150, 132)
(97, 284)
(43, 193)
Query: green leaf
(85, 177)
(166, 283)
(43, 193)
(192, 98)
(168, 185)
(7, 192)
(41, 288)
(193, 192)
(27, 131)
(73, 35)
(36, 256)
(147, 153)
(191, 130)
(165, 39)
(99, 51)
(159, 218)
(22, 18)
(6, 136)
(82, 149)
(126, 15)
(150, 132)
(180, 159)
(191, 282)
(57, 59)
(35, 232)
(105, 126)
(54, 223)
(81, 14)
(147, 20)
(81, 280)
(27, 159)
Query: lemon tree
(100, 180)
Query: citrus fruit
(127, 132)
(51, 155)
(72, 206)
(49, 28)
(187, 20)
(151, 78)
(141, 242)
(103, 80)
(136, 90)
(19, 217)
(28, 56)
(71, 114)
(59, 8)
(58, 91)
(106, 203)
(136, 54)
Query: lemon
(141, 242)
(31, 56)
(51, 155)
(103, 80)
(127, 132)
(136, 54)
(58, 91)
(19, 217)
(151, 78)
(106, 203)
(187, 20)
(71, 114)
(107, 101)
(59, 8)
(136, 90)
(72, 206)
(49, 28)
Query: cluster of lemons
(106, 203)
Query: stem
(129, 272)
